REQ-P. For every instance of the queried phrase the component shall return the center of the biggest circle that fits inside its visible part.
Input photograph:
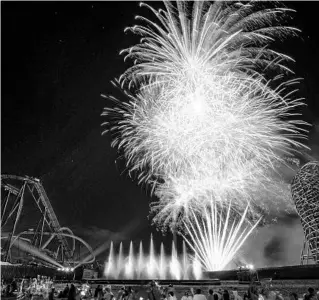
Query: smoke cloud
(276, 244)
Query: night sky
(56, 60)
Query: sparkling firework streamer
(203, 121)
(215, 238)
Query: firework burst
(204, 114)
(204, 122)
(215, 238)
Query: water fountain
(151, 266)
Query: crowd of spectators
(43, 288)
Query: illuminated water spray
(153, 265)
(129, 266)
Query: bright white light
(215, 239)
(197, 268)
(205, 123)
(203, 119)
(174, 267)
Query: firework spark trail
(202, 110)
(214, 239)
(204, 123)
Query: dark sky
(56, 60)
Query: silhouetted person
(226, 295)
(211, 295)
(311, 295)
(293, 296)
(65, 292)
(14, 285)
(97, 291)
(72, 292)
(51, 294)
(252, 293)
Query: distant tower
(305, 194)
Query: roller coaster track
(42, 201)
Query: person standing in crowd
(65, 292)
(108, 295)
(187, 296)
(153, 292)
(252, 293)
(236, 295)
(198, 295)
(210, 294)
(51, 294)
(98, 293)
(72, 292)
(311, 295)
(171, 296)
(132, 294)
(125, 295)
(219, 294)
(226, 295)
(293, 296)
(120, 293)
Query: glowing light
(204, 119)
(174, 264)
(197, 267)
(205, 127)
(214, 239)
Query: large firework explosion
(204, 122)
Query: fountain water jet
(152, 265)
